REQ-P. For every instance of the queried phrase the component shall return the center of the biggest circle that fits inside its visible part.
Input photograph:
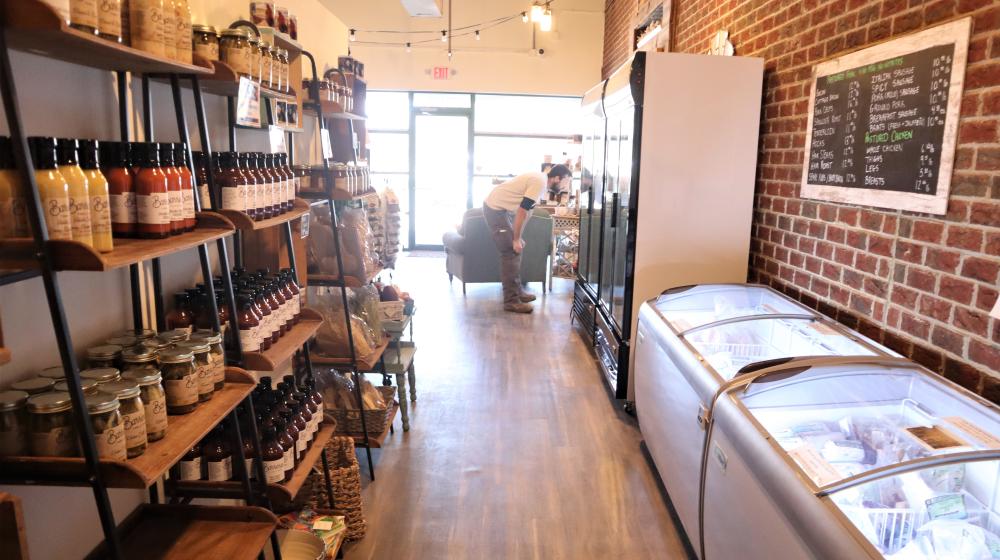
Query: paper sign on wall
(327, 146)
(276, 137)
(996, 310)
(248, 103)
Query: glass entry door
(441, 173)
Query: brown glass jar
(216, 356)
(33, 385)
(205, 41)
(202, 367)
(87, 386)
(288, 445)
(105, 355)
(133, 413)
(180, 380)
(273, 455)
(13, 423)
(248, 324)
(234, 50)
(101, 375)
(51, 431)
(190, 466)
(154, 401)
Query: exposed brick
(942, 260)
(981, 269)
(935, 308)
(956, 289)
(985, 213)
(967, 376)
(947, 339)
(927, 357)
(972, 321)
(927, 231)
(965, 237)
(986, 354)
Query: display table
(398, 360)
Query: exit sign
(440, 72)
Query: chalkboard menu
(882, 122)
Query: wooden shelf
(363, 363)
(343, 281)
(281, 40)
(375, 441)
(244, 222)
(282, 351)
(73, 255)
(176, 532)
(331, 110)
(226, 82)
(282, 492)
(34, 27)
(141, 472)
(335, 194)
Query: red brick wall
(922, 285)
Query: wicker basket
(345, 479)
(377, 420)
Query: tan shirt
(508, 195)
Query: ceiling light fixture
(354, 35)
(524, 17)
(545, 24)
(477, 34)
(444, 36)
(537, 11)
(408, 49)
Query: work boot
(518, 307)
(527, 297)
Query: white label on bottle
(248, 465)
(289, 459)
(234, 198)
(13, 442)
(181, 392)
(248, 340)
(206, 379)
(135, 428)
(300, 444)
(110, 17)
(83, 12)
(79, 210)
(111, 443)
(206, 200)
(191, 470)
(296, 304)
(59, 442)
(100, 215)
(146, 19)
(156, 415)
(153, 209)
(274, 193)
(217, 365)
(187, 196)
(297, 184)
(220, 470)
(123, 208)
(57, 218)
(176, 201)
(275, 470)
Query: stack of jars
(159, 27)
(333, 91)
(260, 185)
(277, 17)
(249, 56)
(351, 177)
(288, 418)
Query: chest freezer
(690, 343)
(833, 458)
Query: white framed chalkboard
(883, 122)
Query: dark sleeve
(527, 204)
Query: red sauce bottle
(174, 195)
(183, 165)
(121, 188)
(152, 198)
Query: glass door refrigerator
(674, 161)
(590, 208)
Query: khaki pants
(510, 262)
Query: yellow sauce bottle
(13, 220)
(52, 187)
(79, 197)
(100, 202)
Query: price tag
(304, 226)
(248, 103)
(276, 136)
(322, 525)
(327, 145)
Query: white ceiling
(391, 14)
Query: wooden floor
(515, 449)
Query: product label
(111, 443)
(191, 470)
(947, 506)
(235, 198)
(217, 367)
(135, 428)
(79, 211)
(100, 215)
(176, 201)
(110, 17)
(146, 19)
(18, 209)
(207, 50)
(298, 182)
(206, 381)
(156, 415)
(248, 464)
(181, 392)
(60, 442)
(169, 32)
(296, 304)
(289, 459)
(123, 208)
(83, 12)
(206, 200)
(341, 183)
(187, 197)
(300, 445)
(220, 470)
(249, 340)
(274, 470)
(237, 57)
(57, 218)
(153, 209)
(13, 443)
(183, 22)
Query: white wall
(58, 99)
(502, 61)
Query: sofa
(472, 256)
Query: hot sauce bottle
(201, 180)
(174, 196)
(118, 171)
(152, 198)
(100, 208)
(79, 195)
(52, 187)
(13, 206)
(183, 166)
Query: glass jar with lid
(255, 58)
(180, 380)
(341, 181)
(205, 41)
(50, 425)
(123, 341)
(267, 64)
(133, 414)
(235, 51)
(88, 386)
(140, 334)
(55, 373)
(154, 401)
(216, 356)
(13, 423)
(101, 375)
(154, 345)
(33, 385)
(139, 359)
(202, 367)
(283, 75)
(174, 336)
(109, 430)
(105, 355)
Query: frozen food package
(843, 451)
(949, 540)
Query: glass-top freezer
(837, 421)
(691, 307)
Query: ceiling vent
(423, 8)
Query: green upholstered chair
(473, 258)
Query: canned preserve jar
(33, 385)
(234, 50)
(109, 430)
(154, 401)
(202, 367)
(180, 380)
(50, 425)
(13, 423)
(216, 356)
(55, 373)
(133, 414)
(205, 39)
(87, 386)
(139, 359)
(105, 355)
(101, 375)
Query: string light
(408, 49)
(537, 11)
(444, 36)
(354, 35)
(477, 34)
(545, 23)
(524, 17)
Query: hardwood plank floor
(515, 449)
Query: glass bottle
(255, 194)
(146, 26)
(297, 429)
(109, 429)
(284, 319)
(13, 423)
(233, 184)
(287, 445)
(182, 38)
(52, 187)
(175, 198)
(152, 196)
(273, 455)
(190, 466)
(79, 195)
(290, 184)
(133, 413)
(83, 15)
(109, 20)
(249, 450)
(263, 326)
(169, 30)
(234, 50)
(273, 183)
(13, 216)
(97, 187)
(264, 187)
(121, 189)
(181, 317)
(293, 286)
(267, 65)
(182, 164)
(248, 325)
(270, 307)
(218, 455)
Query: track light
(477, 34)
(444, 36)
(408, 49)
(545, 23)
(354, 35)
(537, 11)
(524, 17)
(449, 55)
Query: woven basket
(345, 479)
(377, 419)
